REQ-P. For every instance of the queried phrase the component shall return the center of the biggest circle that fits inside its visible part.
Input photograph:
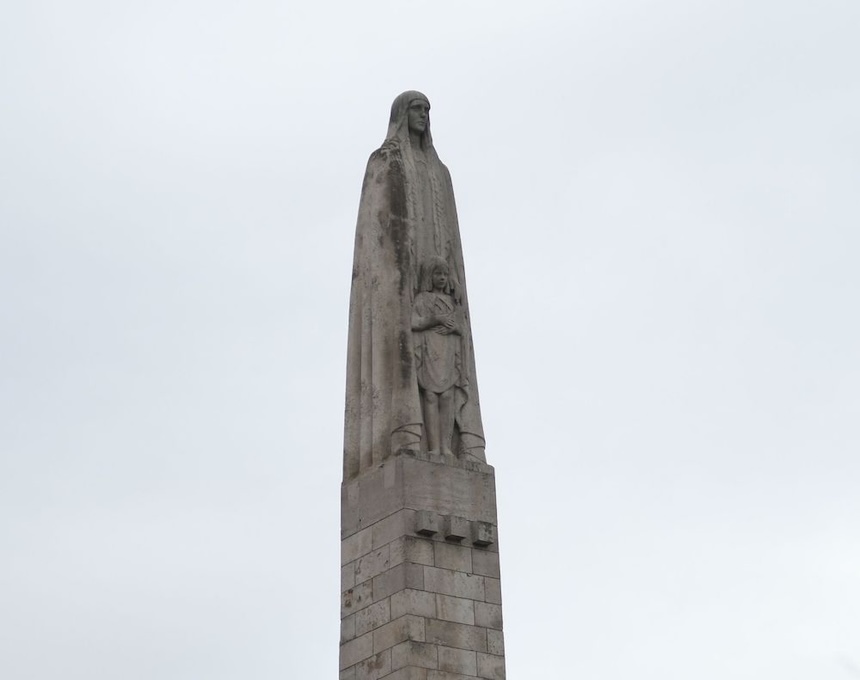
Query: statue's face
(417, 115)
(440, 278)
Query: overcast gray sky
(659, 209)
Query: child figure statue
(437, 324)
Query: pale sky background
(659, 205)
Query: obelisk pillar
(421, 596)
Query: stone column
(421, 596)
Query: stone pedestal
(421, 596)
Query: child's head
(440, 277)
(435, 275)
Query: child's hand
(446, 326)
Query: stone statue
(407, 391)
(437, 329)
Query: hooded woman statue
(406, 219)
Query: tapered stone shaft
(421, 596)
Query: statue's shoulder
(445, 170)
(382, 161)
(387, 153)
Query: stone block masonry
(420, 588)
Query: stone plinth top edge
(464, 462)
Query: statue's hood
(398, 123)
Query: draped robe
(438, 355)
(406, 216)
